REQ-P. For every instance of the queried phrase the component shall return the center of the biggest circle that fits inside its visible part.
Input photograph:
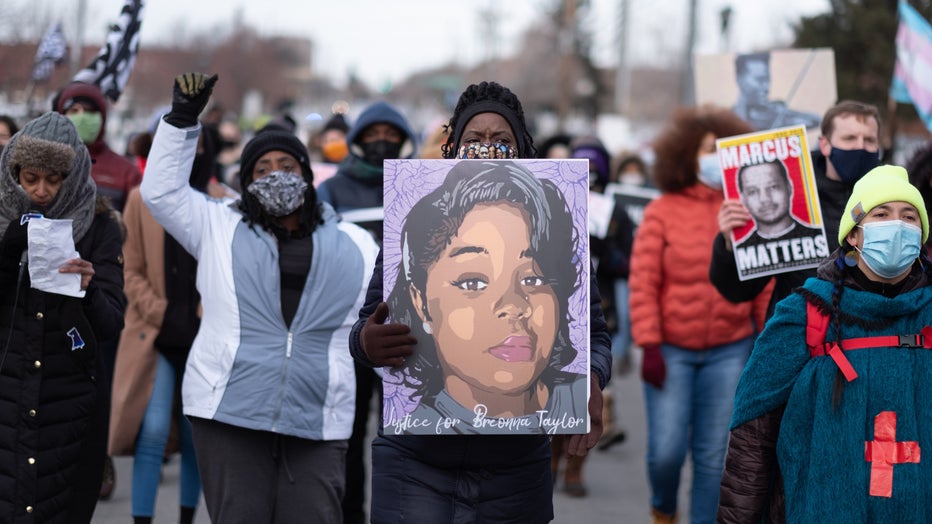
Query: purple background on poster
(407, 181)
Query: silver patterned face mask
(280, 193)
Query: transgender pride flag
(912, 76)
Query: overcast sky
(385, 41)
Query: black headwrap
(490, 106)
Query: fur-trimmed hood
(44, 141)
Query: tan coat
(134, 371)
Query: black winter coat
(496, 463)
(54, 402)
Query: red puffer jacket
(672, 299)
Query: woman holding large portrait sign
(474, 478)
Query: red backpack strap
(816, 330)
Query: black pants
(367, 383)
(256, 477)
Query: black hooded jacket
(355, 191)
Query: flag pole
(78, 48)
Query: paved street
(616, 478)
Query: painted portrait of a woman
(489, 268)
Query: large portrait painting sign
(488, 262)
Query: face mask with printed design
(280, 193)
(490, 151)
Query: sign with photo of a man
(770, 89)
(771, 174)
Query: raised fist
(189, 97)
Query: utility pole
(725, 27)
(78, 45)
(488, 35)
(686, 89)
(566, 44)
(622, 73)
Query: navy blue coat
(489, 463)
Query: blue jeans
(692, 412)
(621, 340)
(150, 447)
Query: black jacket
(723, 272)
(54, 407)
(502, 454)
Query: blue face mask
(890, 247)
(852, 164)
(710, 170)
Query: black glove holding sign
(189, 98)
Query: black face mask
(378, 151)
(852, 164)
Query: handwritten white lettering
(409, 422)
(481, 420)
(564, 421)
(445, 423)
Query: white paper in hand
(51, 245)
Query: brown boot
(608, 412)
(572, 480)
(657, 517)
(612, 433)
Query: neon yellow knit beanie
(887, 183)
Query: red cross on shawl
(884, 451)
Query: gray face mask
(280, 193)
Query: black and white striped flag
(51, 52)
(111, 68)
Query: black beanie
(492, 106)
(272, 140)
(338, 122)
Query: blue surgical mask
(710, 170)
(852, 164)
(890, 247)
